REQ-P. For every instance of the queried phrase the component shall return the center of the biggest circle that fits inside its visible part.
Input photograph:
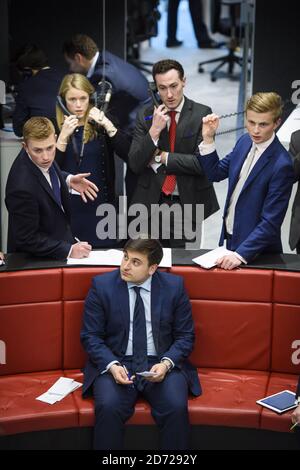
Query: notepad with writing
(279, 402)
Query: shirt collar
(264, 145)
(93, 64)
(180, 106)
(146, 284)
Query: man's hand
(161, 370)
(210, 124)
(119, 375)
(83, 186)
(159, 121)
(80, 250)
(229, 262)
(296, 415)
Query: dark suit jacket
(264, 198)
(36, 97)
(295, 219)
(193, 185)
(105, 329)
(37, 224)
(130, 88)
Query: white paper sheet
(208, 260)
(113, 258)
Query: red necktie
(170, 180)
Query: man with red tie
(163, 155)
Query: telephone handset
(153, 92)
(60, 102)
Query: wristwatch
(167, 364)
(157, 158)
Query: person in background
(86, 143)
(294, 150)
(200, 29)
(129, 86)
(37, 197)
(260, 179)
(36, 94)
(138, 319)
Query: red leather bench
(246, 324)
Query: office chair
(228, 27)
(142, 19)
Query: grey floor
(221, 96)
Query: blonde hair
(38, 128)
(266, 102)
(80, 82)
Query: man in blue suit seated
(260, 179)
(137, 319)
(129, 86)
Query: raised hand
(210, 124)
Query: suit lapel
(184, 120)
(156, 306)
(260, 164)
(44, 183)
(122, 298)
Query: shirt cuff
(155, 142)
(170, 360)
(167, 157)
(69, 254)
(240, 257)
(68, 181)
(109, 366)
(155, 166)
(206, 149)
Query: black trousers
(196, 10)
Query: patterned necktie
(139, 339)
(55, 184)
(170, 180)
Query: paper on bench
(114, 257)
(208, 260)
(59, 390)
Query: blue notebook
(279, 402)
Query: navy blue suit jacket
(105, 329)
(37, 224)
(130, 88)
(264, 198)
(36, 97)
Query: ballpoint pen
(128, 376)
(294, 425)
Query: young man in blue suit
(260, 179)
(117, 305)
(37, 197)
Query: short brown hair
(264, 103)
(149, 247)
(80, 44)
(38, 128)
(163, 66)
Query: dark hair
(80, 44)
(150, 247)
(164, 66)
(31, 56)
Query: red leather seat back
(40, 285)
(32, 334)
(232, 334)
(286, 339)
(253, 285)
(74, 356)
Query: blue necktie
(139, 339)
(55, 184)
